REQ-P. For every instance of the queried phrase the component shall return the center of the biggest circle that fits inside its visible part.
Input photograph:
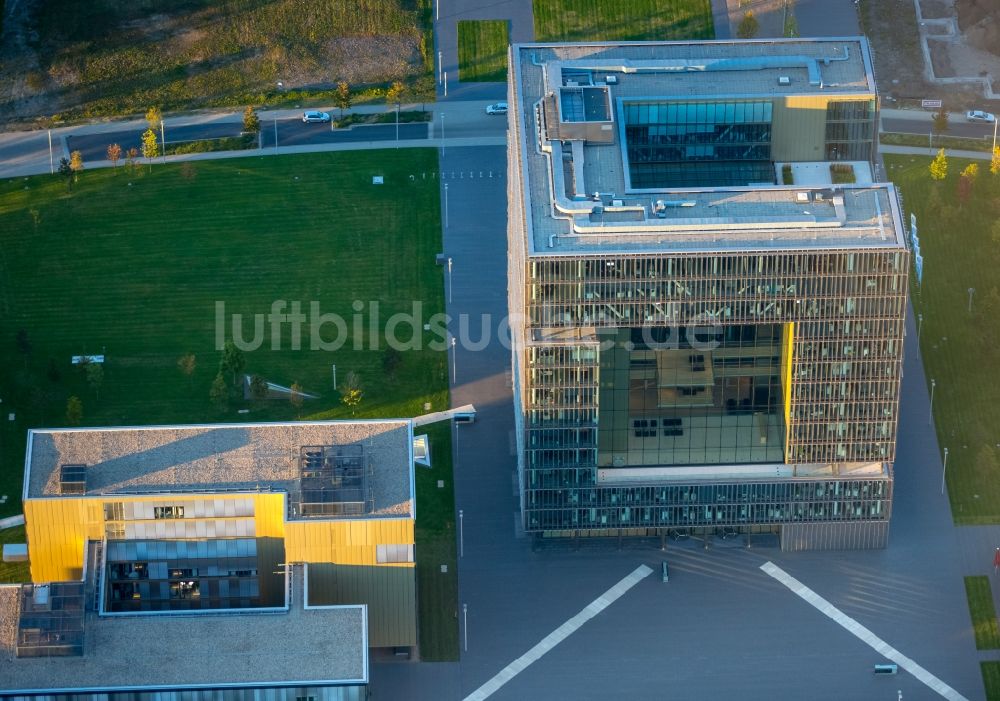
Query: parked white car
(980, 116)
(497, 108)
(315, 117)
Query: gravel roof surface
(307, 645)
(224, 456)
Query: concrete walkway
(450, 12)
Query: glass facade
(698, 144)
(806, 363)
(850, 129)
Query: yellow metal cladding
(787, 341)
(345, 542)
(58, 529)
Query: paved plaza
(721, 626)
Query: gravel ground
(225, 456)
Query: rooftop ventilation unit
(801, 196)
(784, 80)
(611, 79)
(73, 479)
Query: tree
(232, 360)
(939, 166)
(150, 146)
(749, 26)
(74, 411)
(154, 117)
(966, 182)
(296, 397)
(75, 163)
(95, 377)
(187, 364)
(344, 97)
(114, 154)
(939, 121)
(66, 172)
(995, 161)
(352, 394)
(394, 95)
(219, 393)
(258, 388)
(251, 122)
(131, 156)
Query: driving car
(313, 116)
(497, 108)
(979, 116)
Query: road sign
(930, 104)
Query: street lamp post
(442, 133)
(275, 134)
(397, 125)
(930, 417)
(454, 362)
(461, 533)
(446, 214)
(972, 291)
(920, 322)
(449, 279)
(465, 626)
(944, 469)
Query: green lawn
(482, 50)
(13, 571)
(435, 537)
(991, 680)
(982, 611)
(959, 143)
(961, 351)
(609, 20)
(132, 264)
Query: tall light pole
(163, 142)
(454, 362)
(442, 133)
(972, 291)
(397, 125)
(944, 469)
(52, 164)
(930, 418)
(275, 134)
(446, 213)
(449, 277)
(920, 322)
(465, 627)
(461, 534)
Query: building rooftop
(231, 457)
(569, 106)
(305, 646)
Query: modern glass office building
(710, 289)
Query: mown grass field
(609, 20)
(982, 612)
(435, 536)
(110, 57)
(961, 351)
(13, 572)
(482, 50)
(131, 264)
(991, 679)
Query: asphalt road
(291, 132)
(957, 126)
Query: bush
(230, 143)
(842, 173)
